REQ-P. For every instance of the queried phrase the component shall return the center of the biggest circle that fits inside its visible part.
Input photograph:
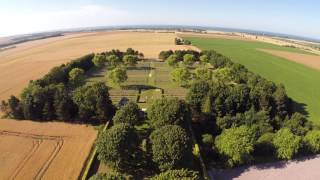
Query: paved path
(301, 169)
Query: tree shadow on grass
(138, 87)
(300, 108)
(144, 68)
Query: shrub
(286, 143)
(236, 144)
(181, 174)
(264, 145)
(109, 176)
(207, 140)
(171, 147)
(312, 140)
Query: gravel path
(301, 169)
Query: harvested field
(294, 170)
(31, 60)
(33, 150)
(312, 61)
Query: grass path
(302, 83)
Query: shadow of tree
(138, 87)
(300, 107)
(145, 68)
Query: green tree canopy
(298, 124)
(93, 101)
(197, 93)
(312, 140)
(109, 176)
(171, 147)
(76, 76)
(181, 76)
(130, 60)
(113, 60)
(168, 111)
(172, 60)
(117, 76)
(237, 144)
(128, 113)
(204, 74)
(204, 59)
(188, 59)
(117, 146)
(180, 174)
(286, 143)
(99, 60)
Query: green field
(148, 80)
(302, 83)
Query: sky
(296, 17)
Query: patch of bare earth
(302, 169)
(31, 60)
(33, 150)
(312, 61)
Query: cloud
(84, 16)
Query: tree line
(62, 94)
(238, 115)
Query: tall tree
(171, 147)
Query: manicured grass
(148, 76)
(302, 83)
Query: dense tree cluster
(62, 94)
(181, 174)
(109, 176)
(228, 96)
(159, 142)
(179, 41)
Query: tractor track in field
(54, 153)
(37, 141)
(35, 147)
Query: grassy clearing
(301, 82)
(150, 78)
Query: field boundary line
(90, 159)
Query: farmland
(32, 150)
(32, 60)
(300, 81)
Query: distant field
(35, 150)
(31, 60)
(146, 75)
(301, 82)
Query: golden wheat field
(33, 150)
(31, 60)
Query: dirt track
(32, 60)
(302, 169)
(312, 61)
(31, 150)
